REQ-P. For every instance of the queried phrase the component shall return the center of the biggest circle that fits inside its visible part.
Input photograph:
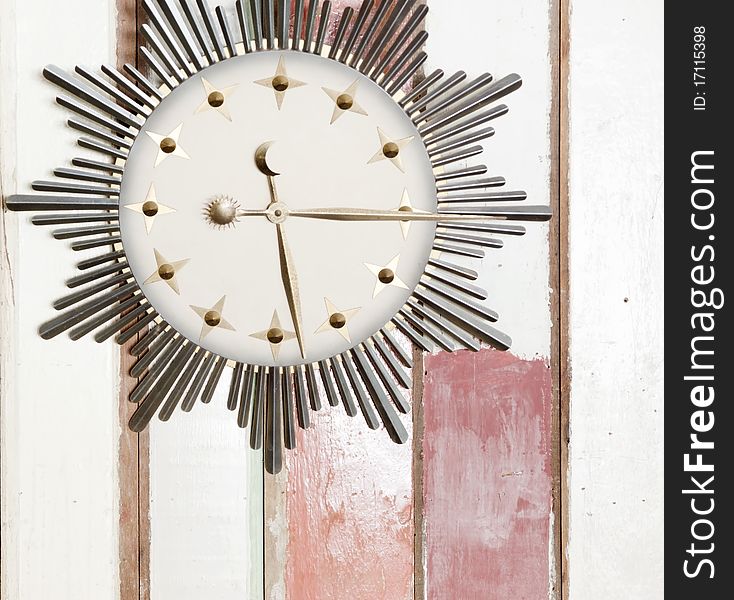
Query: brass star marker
(216, 99)
(276, 336)
(212, 318)
(168, 145)
(390, 149)
(386, 276)
(406, 206)
(338, 320)
(150, 209)
(166, 271)
(280, 83)
(345, 102)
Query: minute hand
(517, 213)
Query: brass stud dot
(386, 276)
(280, 83)
(391, 150)
(337, 321)
(215, 99)
(166, 272)
(168, 145)
(345, 102)
(150, 209)
(275, 335)
(212, 318)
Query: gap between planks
(134, 449)
(559, 283)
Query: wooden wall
(486, 502)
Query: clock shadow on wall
(279, 209)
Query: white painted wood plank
(206, 509)
(59, 399)
(504, 37)
(616, 325)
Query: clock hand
(290, 283)
(518, 213)
(523, 213)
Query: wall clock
(278, 211)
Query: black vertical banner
(699, 261)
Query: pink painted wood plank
(487, 477)
(349, 503)
(349, 513)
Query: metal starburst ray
(381, 41)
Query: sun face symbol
(221, 212)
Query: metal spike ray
(199, 32)
(323, 25)
(248, 387)
(208, 19)
(242, 21)
(364, 12)
(398, 82)
(152, 402)
(274, 422)
(175, 19)
(104, 317)
(96, 116)
(258, 408)
(368, 412)
(234, 386)
(310, 24)
(226, 31)
(313, 388)
(175, 395)
(343, 385)
(387, 379)
(79, 175)
(341, 32)
(304, 420)
(167, 351)
(172, 67)
(255, 12)
(402, 38)
(329, 384)
(284, 23)
(178, 61)
(289, 426)
(193, 393)
(88, 292)
(391, 421)
(143, 81)
(369, 33)
(297, 25)
(135, 329)
(211, 384)
(382, 39)
(121, 98)
(392, 362)
(142, 346)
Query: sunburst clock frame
(279, 207)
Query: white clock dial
(213, 271)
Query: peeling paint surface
(350, 513)
(487, 477)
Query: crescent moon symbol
(261, 159)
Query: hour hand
(290, 283)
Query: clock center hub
(277, 212)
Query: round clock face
(224, 198)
